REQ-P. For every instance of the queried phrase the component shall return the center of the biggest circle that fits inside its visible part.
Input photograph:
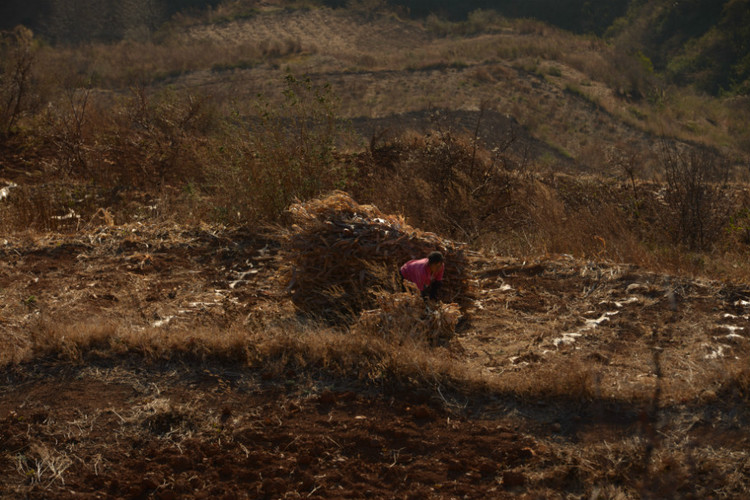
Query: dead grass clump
(161, 417)
(341, 252)
(232, 345)
(72, 342)
(735, 384)
(463, 188)
(350, 354)
(43, 465)
(567, 379)
(674, 471)
(102, 338)
(274, 349)
(405, 316)
(482, 75)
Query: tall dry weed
(282, 153)
(18, 51)
(272, 348)
(460, 185)
(71, 342)
(696, 185)
(572, 380)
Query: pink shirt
(418, 272)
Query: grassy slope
(163, 114)
(566, 90)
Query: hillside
(577, 95)
(702, 43)
(161, 362)
(73, 20)
(698, 42)
(199, 232)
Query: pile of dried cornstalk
(341, 254)
(402, 316)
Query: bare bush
(443, 180)
(17, 55)
(696, 185)
(67, 133)
(159, 136)
(629, 160)
(285, 152)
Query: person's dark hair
(435, 257)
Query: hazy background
(701, 42)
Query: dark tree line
(74, 21)
(581, 16)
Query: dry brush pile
(344, 258)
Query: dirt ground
(247, 442)
(608, 382)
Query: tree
(17, 53)
(696, 184)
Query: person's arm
(432, 290)
(435, 289)
(439, 274)
(436, 283)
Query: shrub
(696, 183)
(17, 55)
(158, 138)
(284, 152)
(68, 132)
(141, 140)
(462, 187)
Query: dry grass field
(153, 341)
(162, 362)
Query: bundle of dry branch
(406, 316)
(342, 253)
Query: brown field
(152, 347)
(167, 363)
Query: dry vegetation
(187, 312)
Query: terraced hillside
(558, 87)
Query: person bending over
(426, 273)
